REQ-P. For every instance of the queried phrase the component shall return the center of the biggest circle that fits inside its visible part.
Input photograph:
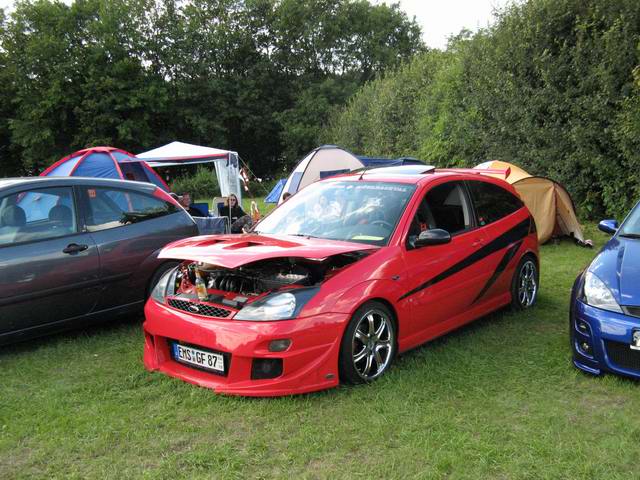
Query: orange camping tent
(547, 200)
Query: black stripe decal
(515, 234)
(508, 256)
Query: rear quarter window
(492, 202)
(111, 208)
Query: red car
(339, 279)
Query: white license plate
(199, 358)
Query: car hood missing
(232, 251)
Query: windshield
(631, 225)
(365, 212)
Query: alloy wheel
(527, 284)
(372, 344)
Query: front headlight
(165, 285)
(598, 295)
(277, 306)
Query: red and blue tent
(105, 162)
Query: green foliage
(626, 133)
(549, 87)
(302, 123)
(77, 80)
(202, 184)
(256, 76)
(449, 124)
(383, 118)
(9, 162)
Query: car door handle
(74, 248)
(477, 243)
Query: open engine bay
(235, 287)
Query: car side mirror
(435, 236)
(608, 226)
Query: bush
(201, 185)
(550, 87)
(383, 118)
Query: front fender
(351, 299)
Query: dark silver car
(74, 250)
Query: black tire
(367, 338)
(161, 270)
(525, 284)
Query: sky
(439, 19)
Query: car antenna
(363, 171)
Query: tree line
(552, 86)
(257, 76)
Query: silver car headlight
(598, 295)
(277, 306)
(165, 285)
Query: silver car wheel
(372, 344)
(527, 284)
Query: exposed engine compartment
(256, 278)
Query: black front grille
(622, 355)
(633, 311)
(199, 308)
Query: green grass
(496, 399)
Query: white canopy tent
(226, 163)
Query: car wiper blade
(305, 235)
(630, 235)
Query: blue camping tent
(105, 162)
(276, 191)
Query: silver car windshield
(355, 211)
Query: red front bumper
(309, 364)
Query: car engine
(254, 281)
(256, 278)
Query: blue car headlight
(598, 295)
(277, 306)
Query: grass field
(497, 399)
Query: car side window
(445, 206)
(492, 202)
(37, 215)
(111, 208)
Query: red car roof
(416, 174)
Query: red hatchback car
(339, 279)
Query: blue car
(605, 304)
